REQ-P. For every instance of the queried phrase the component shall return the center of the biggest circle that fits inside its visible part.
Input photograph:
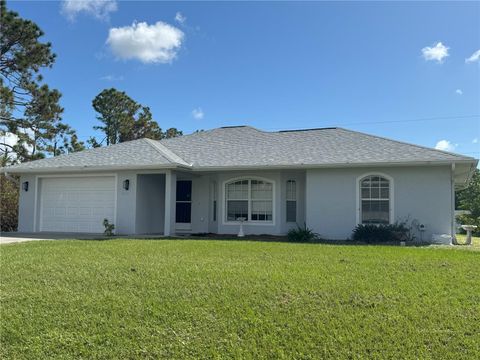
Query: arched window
(250, 199)
(374, 200)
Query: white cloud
(475, 141)
(436, 53)
(198, 113)
(445, 145)
(475, 57)
(99, 9)
(179, 18)
(157, 43)
(112, 78)
(459, 92)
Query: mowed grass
(177, 299)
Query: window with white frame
(291, 210)
(250, 199)
(374, 200)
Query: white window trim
(247, 222)
(391, 204)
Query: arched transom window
(374, 200)
(250, 199)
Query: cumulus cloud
(459, 92)
(99, 9)
(112, 78)
(475, 57)
(445, 145)
(157, 43)
(179, 18)
(435, 53)
(198, 113)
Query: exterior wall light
(126, 184)
(25, 185)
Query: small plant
(108, 228)
(302, 234)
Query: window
(214, 195)
(183, 210)
(291, 201)
(250, 199)
(374, 200)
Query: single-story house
(330, 179)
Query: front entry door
(183, 210)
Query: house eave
(474, 162)
(81, 169)
(78, 169)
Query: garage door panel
(77, 204)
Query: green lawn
(129, 299)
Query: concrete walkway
(17, 237)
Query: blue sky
(376, 67)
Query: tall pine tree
(29, 111)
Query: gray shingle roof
(245, 146)
(137, 153)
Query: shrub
(302, 234)
(108, 228)
(370, 233)
(8, 203)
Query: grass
(176, 299)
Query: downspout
(452, 180)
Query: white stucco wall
(26, 204)
(326, 200)
(419, 193)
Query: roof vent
(233, 126)
(313, 129)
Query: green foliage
(29, 110)
(302, 234)
(9, 189)
(108, 228)
(124, 119)
(369, 233)
(469, 199)
(197, 299)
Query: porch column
(170, 195)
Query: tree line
(30, 110)
(31, 117)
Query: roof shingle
(244, 146)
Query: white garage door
(76, 204)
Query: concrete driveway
(16, 237)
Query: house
(331, 179)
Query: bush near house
(371, 233)
(9, 188)
(302, 234)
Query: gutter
(333, 165)
(67, 169)
(196, 168)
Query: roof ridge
(166, 152)
(407, 143)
